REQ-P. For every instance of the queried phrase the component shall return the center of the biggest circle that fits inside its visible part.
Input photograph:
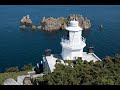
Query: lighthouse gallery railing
(65, 41)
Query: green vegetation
(105, 72)
(16, 69)
(27, 67)
(12, 69)
(6, 75)
(68, 61)
(13, 72)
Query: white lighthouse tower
(73, 43)
(72, 48)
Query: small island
(26, 23)
(52, 24)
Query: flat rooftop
(51, 60)
(90, 56)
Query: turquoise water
(22, 47)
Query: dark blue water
(22, 47)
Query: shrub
(27, 67)
(12, 69)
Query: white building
(73, 43)
(72, 48)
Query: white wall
(71, 54)
(76, 53)
(75, 37)
(45, 64)
(66, 54)
(76, 41)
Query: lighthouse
(73, 42)
(72, 47)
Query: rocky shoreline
(52, 24)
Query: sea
(21, 47)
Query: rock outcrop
(22, 27)
(52, 24)
(39, 27)
(26, 20)
(34, 27)
(26, 23)
(83, 22)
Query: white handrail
(70, 42)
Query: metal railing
(64, 40)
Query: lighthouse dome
(74, 26)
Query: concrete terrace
(51, 60)
(90, 56)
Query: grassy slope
(13, 75)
